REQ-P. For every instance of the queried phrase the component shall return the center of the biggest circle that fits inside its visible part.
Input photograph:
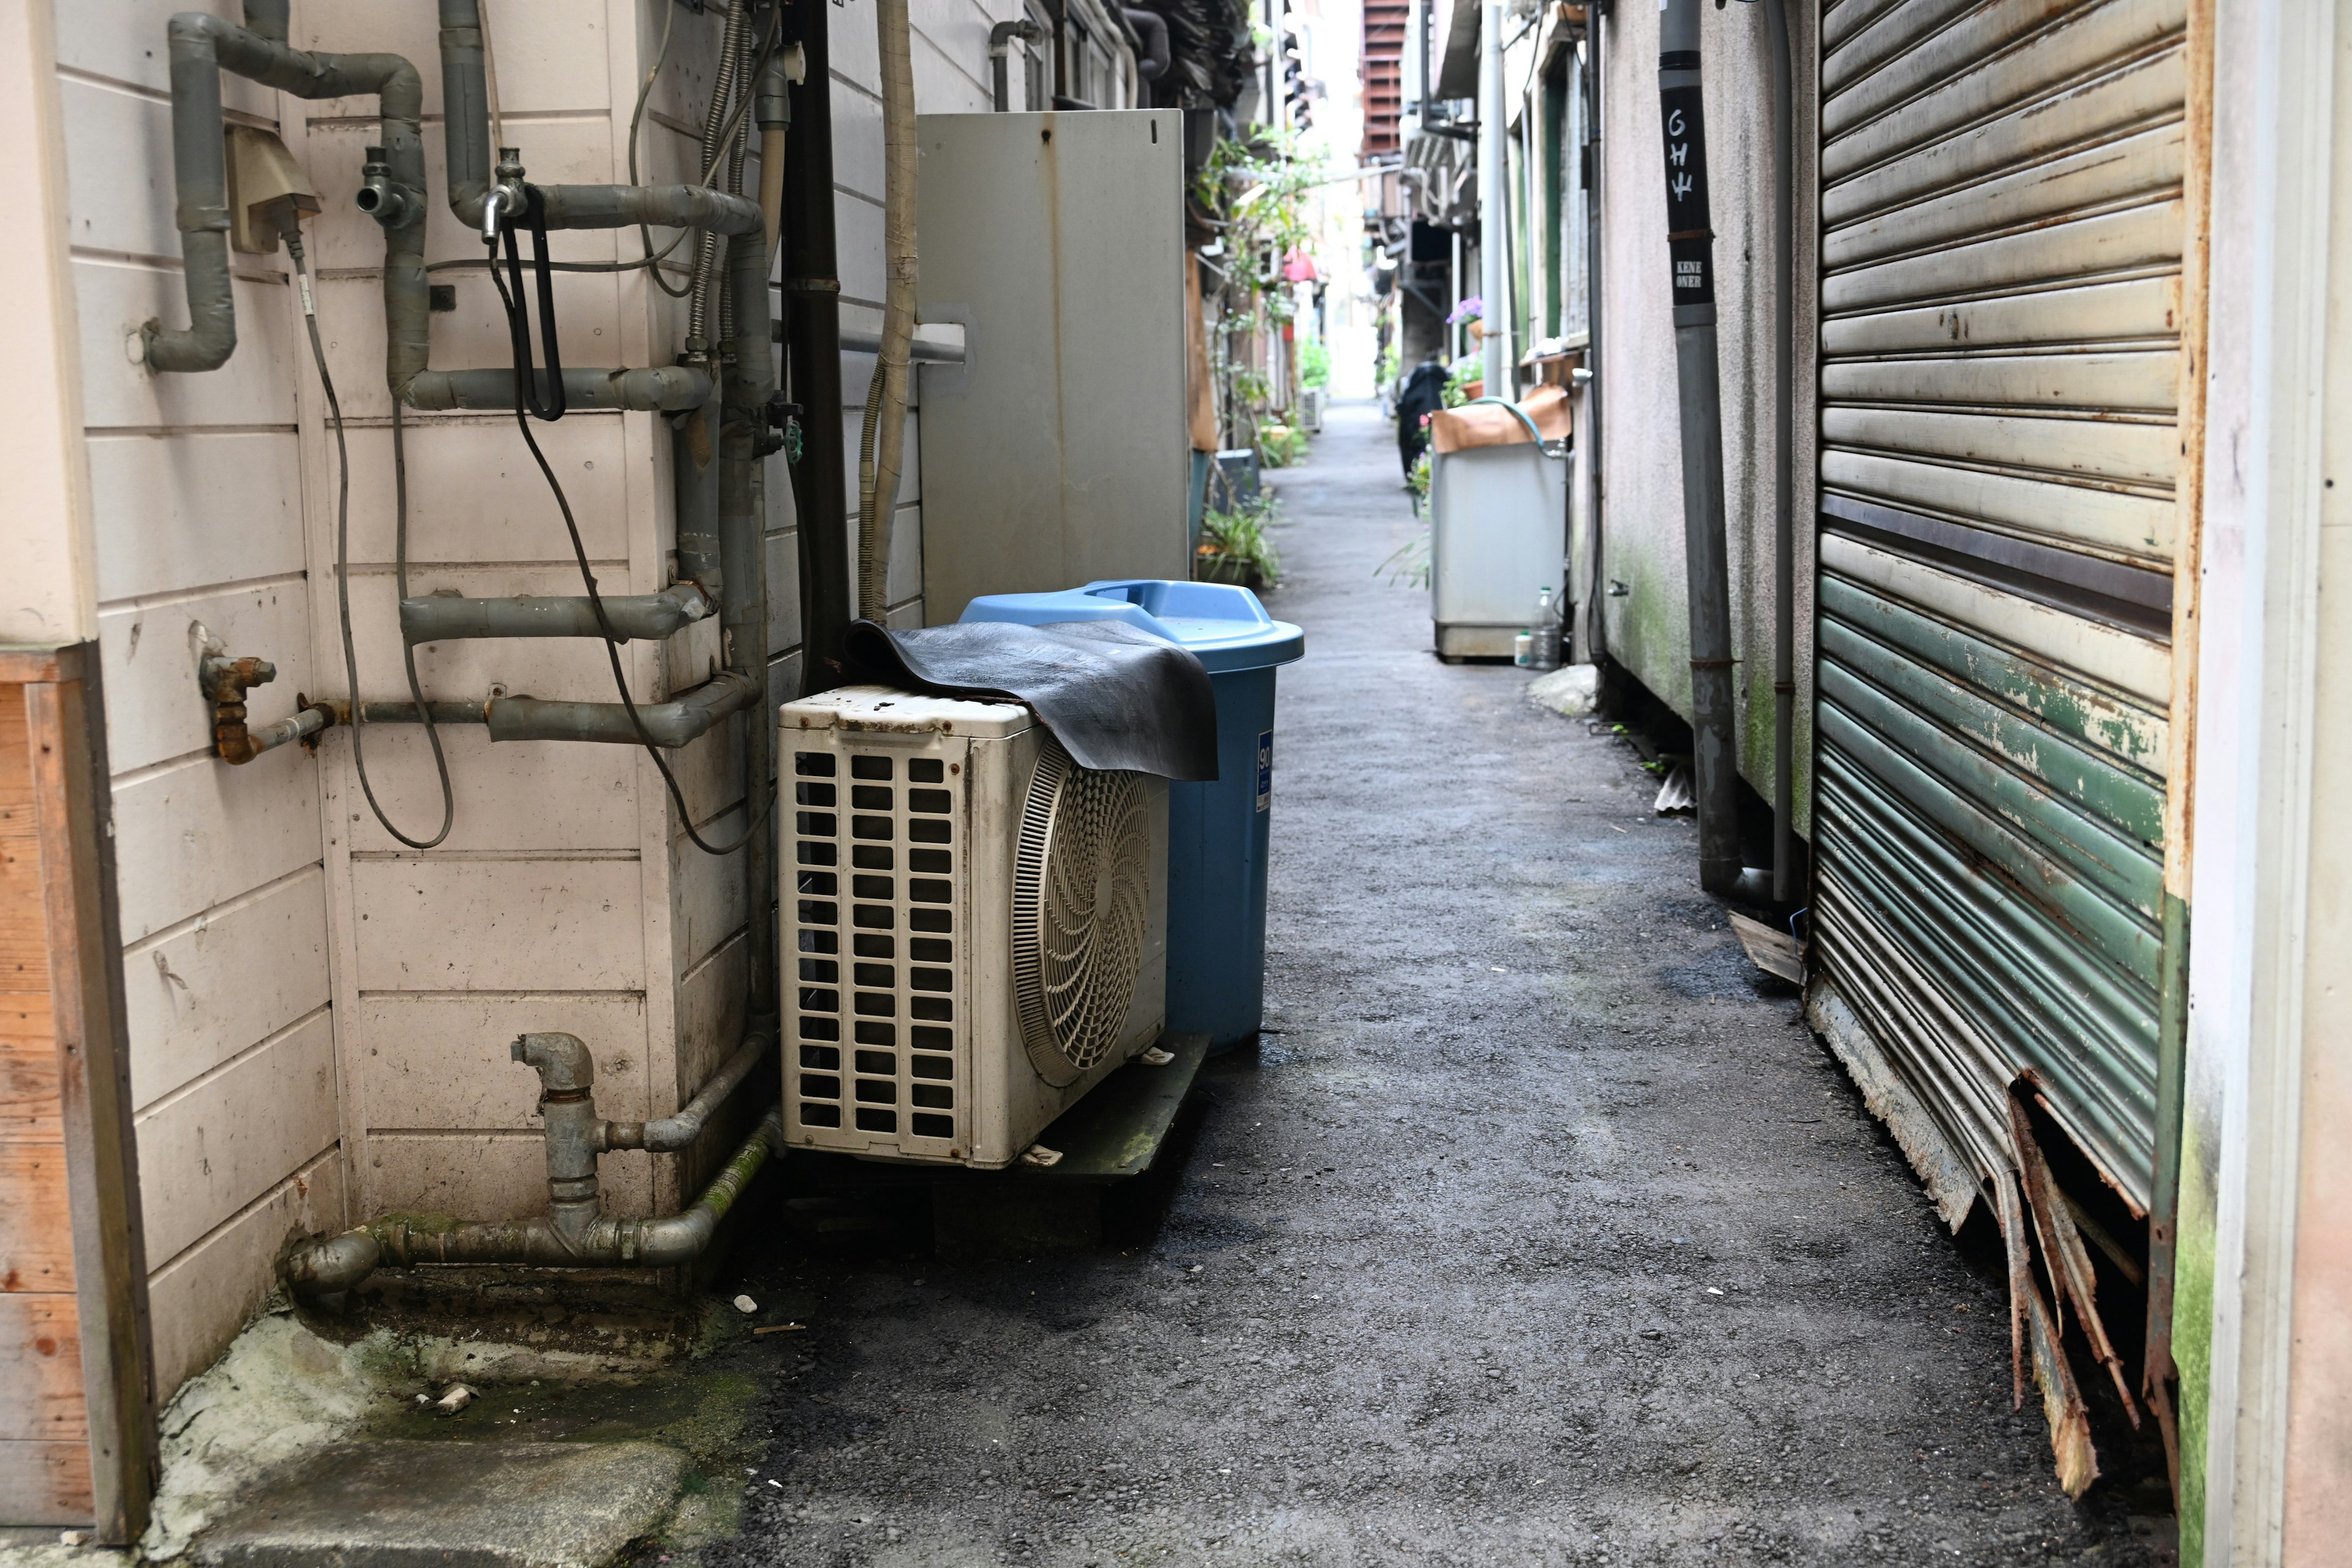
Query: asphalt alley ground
(1537, 1230)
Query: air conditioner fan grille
(1080, 901)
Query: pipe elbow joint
(326, 1264)
(563, 1061)
(669, 1241)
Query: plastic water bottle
(1543, 634)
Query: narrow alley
(1538, 1230)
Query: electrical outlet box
(261, 172)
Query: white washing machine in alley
(1498, 533)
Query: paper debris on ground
(1572, 691)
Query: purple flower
(1473, 308)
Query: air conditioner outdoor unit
(975, 928)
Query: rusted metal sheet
(2063, 1256)
(1949, 1177)
(2005, 393)
(2128, 665)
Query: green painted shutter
(2002, 234)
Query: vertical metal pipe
(1494, 213)
(1690, 241)
(742, 538)
(812, 313)
(1452, 331)
(1591, 638)
(1784, 527)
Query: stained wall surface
(1648, 623)
(319, 1014)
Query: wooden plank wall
(45, 1476)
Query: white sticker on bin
(1264, 770)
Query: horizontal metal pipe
(438, 617)
(465, 100)
(263, 738)
(677, 722)
(673, 723)
(657, 389)
(671, 1134)
(340, 1262)
(921, 350)
(388, 711)
(666, 206)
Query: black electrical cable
(653, 259)
(758, 811)
(553, 407)
(344, 570)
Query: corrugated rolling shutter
(2002, 227)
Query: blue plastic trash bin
(1217, 833)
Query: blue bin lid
(1222, 623)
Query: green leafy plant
(1252, 193)
(1386, 373)
(1408, 565)
(1458, 377)
(1281, 445)
(1314, 363)
(1235, 546)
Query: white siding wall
(197, 495)
(321, 1016)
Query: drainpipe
(772, 108)
(1000, 51)
(813, 339)
(1690, 241)
(883, 442)
(1784, 533)
(1151, 31)
(1592, 640)
(575, 1232)
(743, 443)
(1494, 213)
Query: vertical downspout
(743, 543)
(1591, 641)
(1690, 239)
(812, 338)
(1494, 213)
(1784, 388)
